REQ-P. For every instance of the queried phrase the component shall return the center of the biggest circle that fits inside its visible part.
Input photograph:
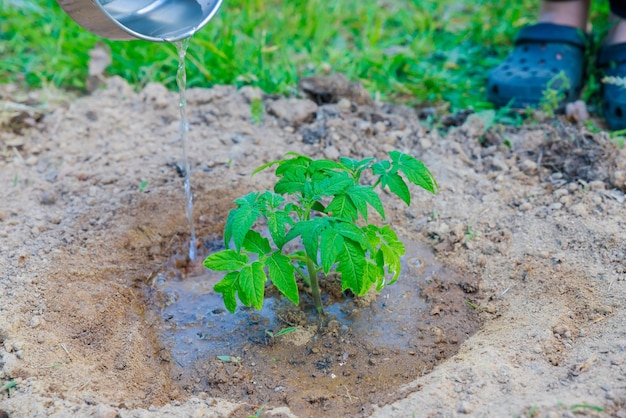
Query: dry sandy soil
(531, 219)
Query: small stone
(47, 198)
(576, 111)
(19, 354)
(35, 321)
(105, 411)
(344, 105)
(579, 209)
(331, 153)
(498, 164)
(251, 93)
(618, 179)
(380, 127)
(293, 111)
(529, 167)
(464, 408)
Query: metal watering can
(151, 20)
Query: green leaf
(355, 166)
(342, 207)
(282, 274)
(243, 218)
(392, 261)
(256, 243)
(272, 200)
(373, 273)
(414, 170)
(228, 228)
(229, 359)
(324, 166)
(352, 232)
(227, 287)
(276, 222)
(336, 184)
(381, 167)
(317, 205)
(267, 165)
(310, 232)
(292, 182)
(352, 268)
(252, 285)
(226, 260)
(331, 245)
(299, 164)
(392, 240)
(361, 196)
(397, 186)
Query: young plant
(318, 204)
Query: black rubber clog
(542, 52)
(612, 61)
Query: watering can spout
(151, 20)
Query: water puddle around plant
(362, 353)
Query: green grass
(413, 51)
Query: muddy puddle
(361, 353)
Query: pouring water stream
(181, 80)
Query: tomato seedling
(318, 203)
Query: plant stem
(315, 287)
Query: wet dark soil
(361, 352)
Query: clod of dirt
(294, 112)
(333, 88)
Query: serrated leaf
(331, 245)
(397, 186)
(292, 182)
(391, 239)
(381, 167)
(252, 285)
(342, 207)
(310, 232)
(272, 200)
(361, 196)
(338, 183)
(228, 228)
(324, 165)
(352, 232)
(392, 261)
(243, 218)
(298, 164)
(373, 274)
(355, 165)
(414, 170)
(276, 222)
(227, 287)
(352, 267)
(226, 260)
(256, 243)
(282, 274)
